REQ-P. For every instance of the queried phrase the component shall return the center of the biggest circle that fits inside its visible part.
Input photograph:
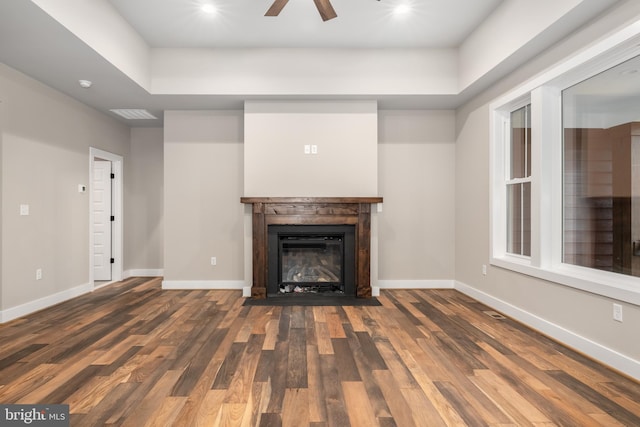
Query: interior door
(101, 210)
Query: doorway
(105, 217)
(101, 211)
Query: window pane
(514, 219)
(601, 188)
(526, 219)
(520, 143)
(519, 219)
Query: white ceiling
(360, 23)
(34, 43)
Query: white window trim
(544, 93)
(506, 137)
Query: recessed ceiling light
(133, 113)
(402, 9)
(208, 8)
(86, 84)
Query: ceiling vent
(134, 114)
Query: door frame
(117, 210)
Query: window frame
(544, 93)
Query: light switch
(307, 149)
(24, 210)
(314, 149)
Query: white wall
(100, 26)
(304, 71)
(516, 30)
(345, 134)
(45, 155)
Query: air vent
(494, 314)
(134, 114)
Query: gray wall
(144, 210)
(45, 155)
(203, 216)
(2, 114)
(417, 180)
(563, 309)
(203, 158)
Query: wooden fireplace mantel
(311, 210)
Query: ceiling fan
(324, 8)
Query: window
(601, 176)
(565, 172)
(519, 183)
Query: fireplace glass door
(311, 263)
(313, 259)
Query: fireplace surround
(354, 212)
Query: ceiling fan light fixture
(325, 9)
(276, 8)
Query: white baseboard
(415, 284)
(612, 358)
(143, 272)
(42, 303)
(204, 284)
(246, 291)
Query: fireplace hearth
(311, 245)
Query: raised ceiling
(360, 23)
(167, 55)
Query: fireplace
(313, 259)
(318, 229)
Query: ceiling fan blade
(276, 7)
(326, 10)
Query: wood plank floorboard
(132, 354)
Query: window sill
(611, 285)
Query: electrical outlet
(484, 269)
(617, 312)
(39, 274)
(214, 261)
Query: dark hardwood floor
(131, 354)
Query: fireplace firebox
(314, 259)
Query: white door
(101, 210)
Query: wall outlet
(314, 149)
(484, 269)
(214, 261)
(307, 149)
(617, 312)
(39, 274)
